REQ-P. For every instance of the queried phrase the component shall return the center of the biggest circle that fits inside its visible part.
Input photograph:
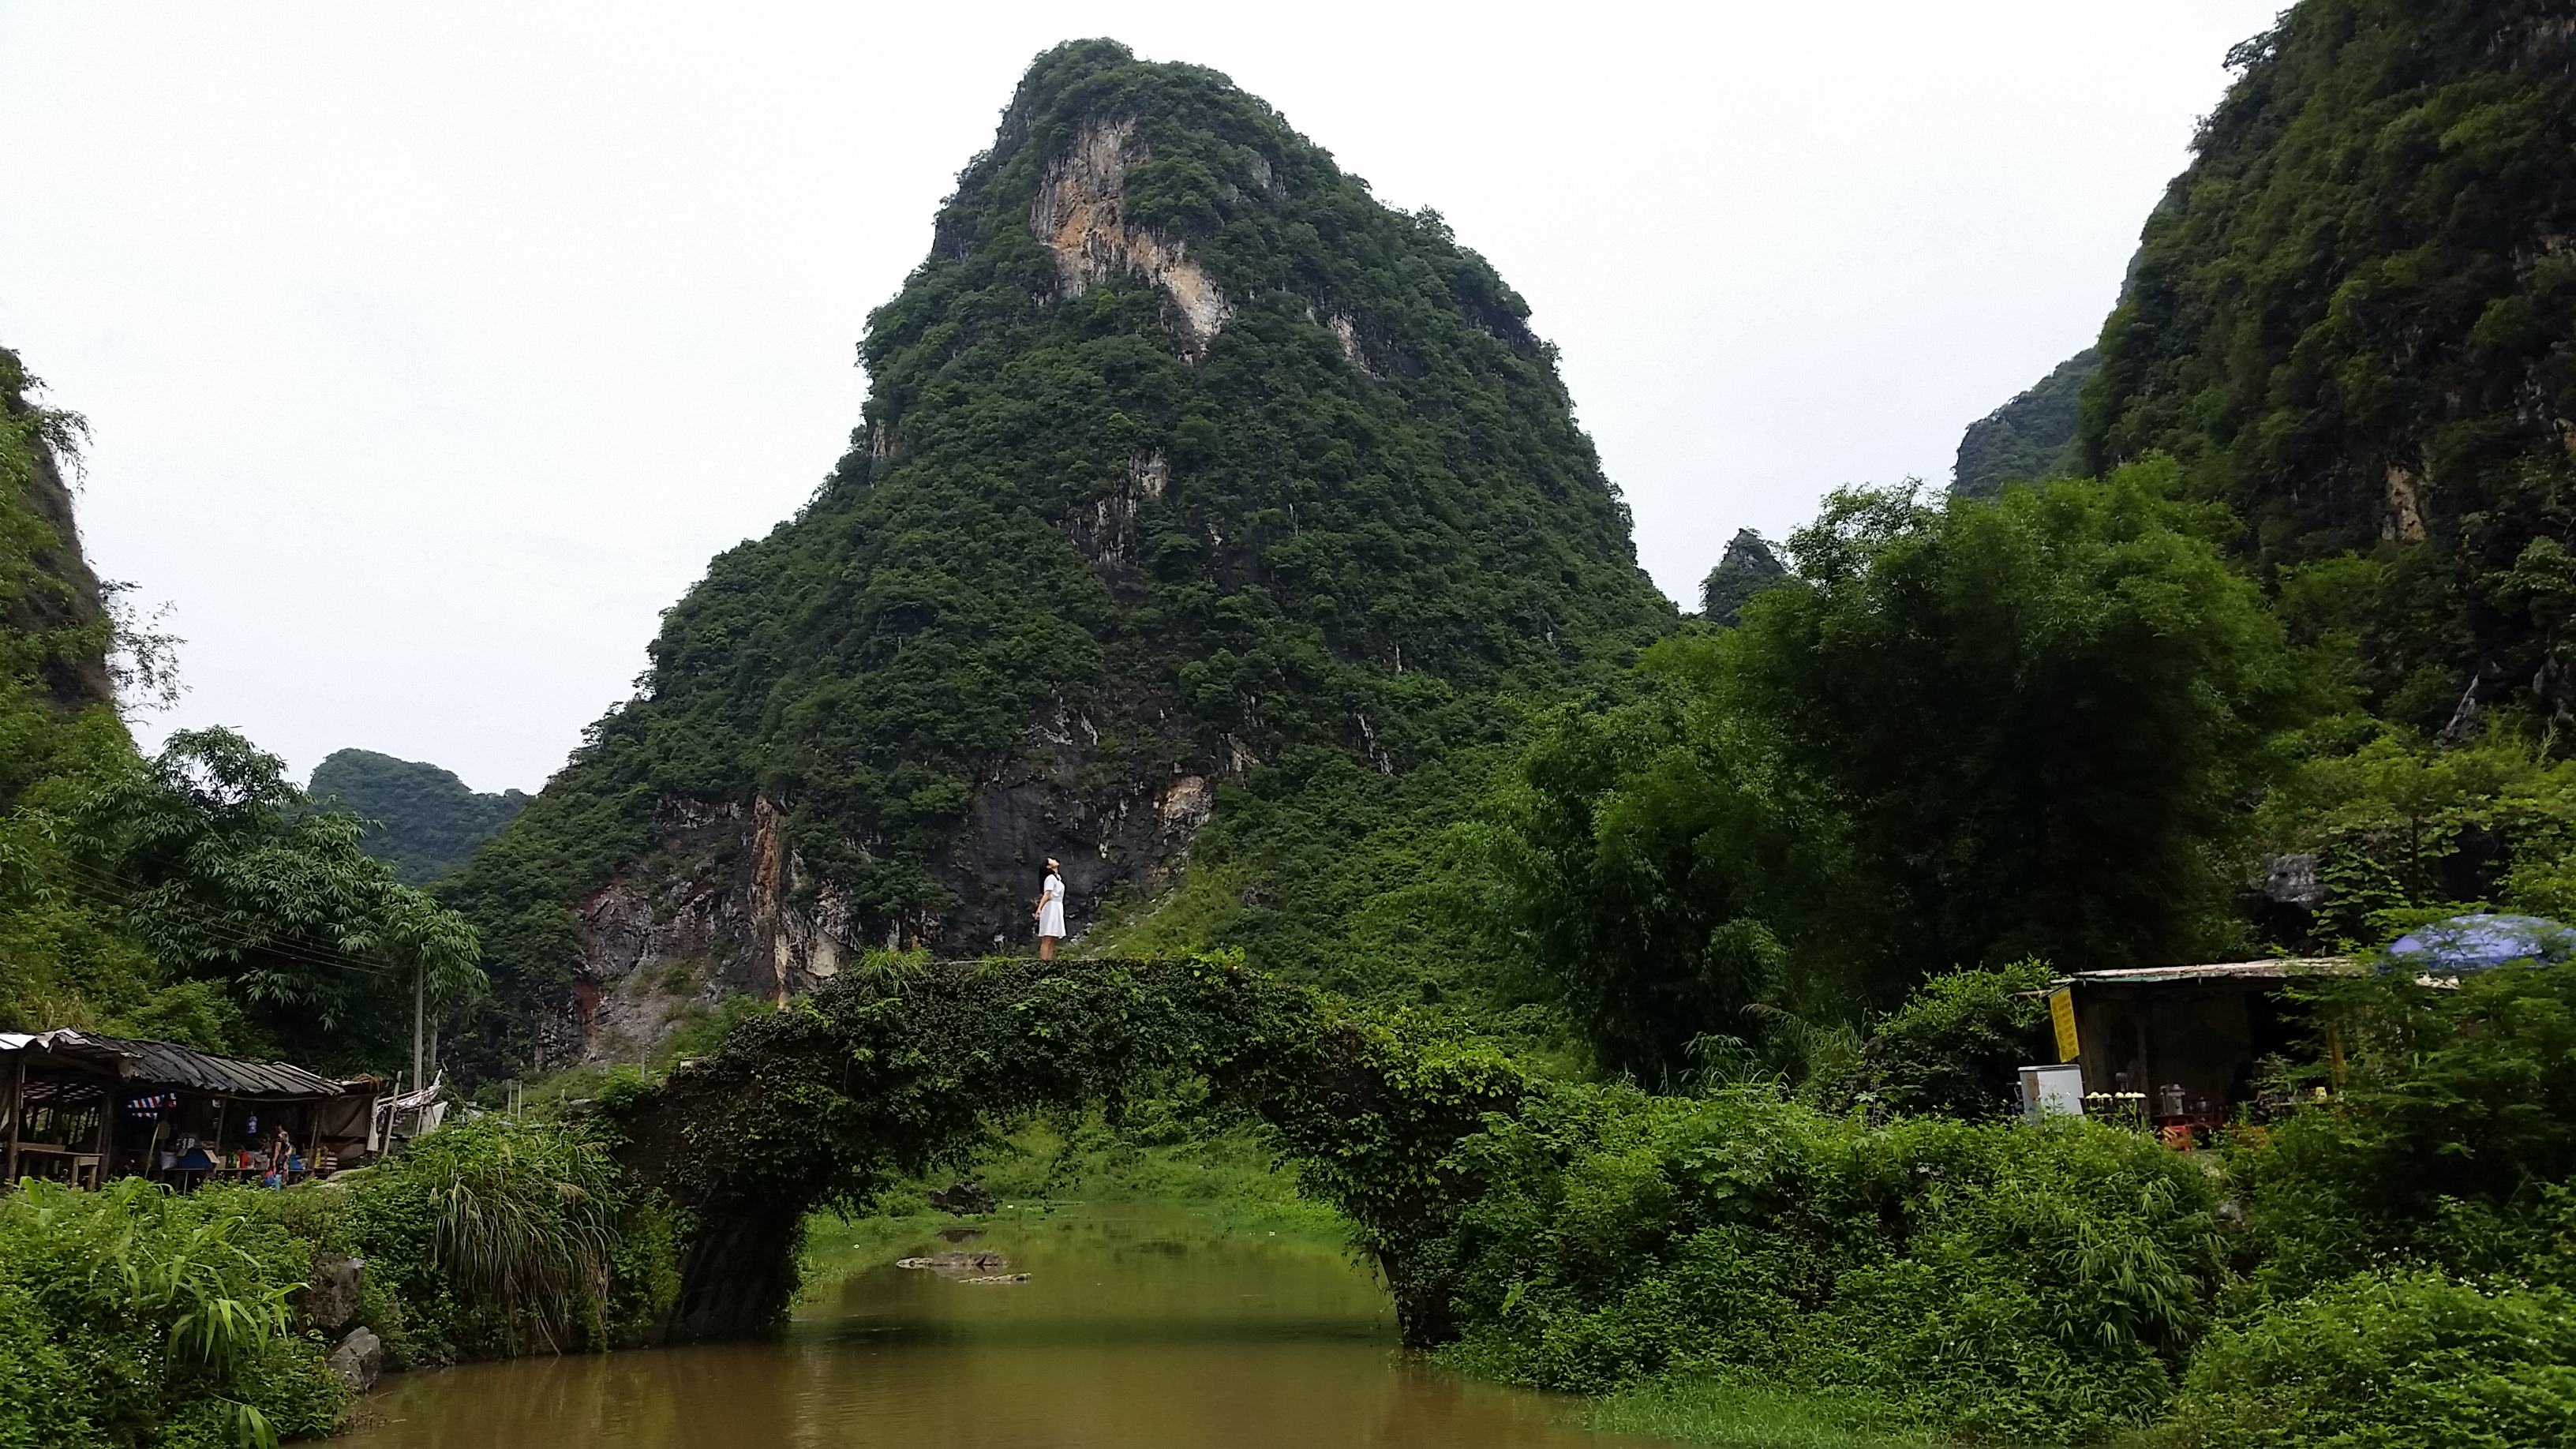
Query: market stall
(2179, 1048)
(81, 1107)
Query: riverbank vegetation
(134, 1317)
(1762, 1239)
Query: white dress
(1051, 907)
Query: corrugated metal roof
(2276, 970)
(168, 1064)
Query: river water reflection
(1131, 1330)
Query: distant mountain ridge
(425, 822)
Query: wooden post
(102, 1141)
(419, 1001)
(17, 1110)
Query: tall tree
(1960, 733)
(2037, 714)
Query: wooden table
(80, 1168)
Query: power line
(100, 879)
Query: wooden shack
(2181, 1042)
(81, 1107)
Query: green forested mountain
(1746, 568)
(2029, 438)
(1202, 515)
(2351, 323)
(421, 820)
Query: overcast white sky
(432, 349)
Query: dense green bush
(133, 1317)
(2008, 1281)
(2390, 1361)
(2410, 1249)
(1952, 1048)
(136, 1317)
(2454, 1140)
(495, 1239)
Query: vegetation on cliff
(2029, 439)
(2349, 323)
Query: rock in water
(359, 1359)
(957, 1263)
(1190, 474)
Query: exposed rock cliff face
(653, 948)
(1080, 213)
(1201, 508)
(726, 906)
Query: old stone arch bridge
(884, 1074)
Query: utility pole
(419, 1003)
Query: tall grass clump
(502, 1238)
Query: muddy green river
(1130, 1330)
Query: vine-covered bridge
(882, 1075)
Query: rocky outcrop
(726, 906)
(329, 1299)
(1080, 215)
(720, 916)
(358, 1360)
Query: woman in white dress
(1050, 912)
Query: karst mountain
(1208, 526)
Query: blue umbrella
(2474, 943)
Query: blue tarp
(2474, 943)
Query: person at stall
(281, 1158)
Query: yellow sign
(2061, 1014)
